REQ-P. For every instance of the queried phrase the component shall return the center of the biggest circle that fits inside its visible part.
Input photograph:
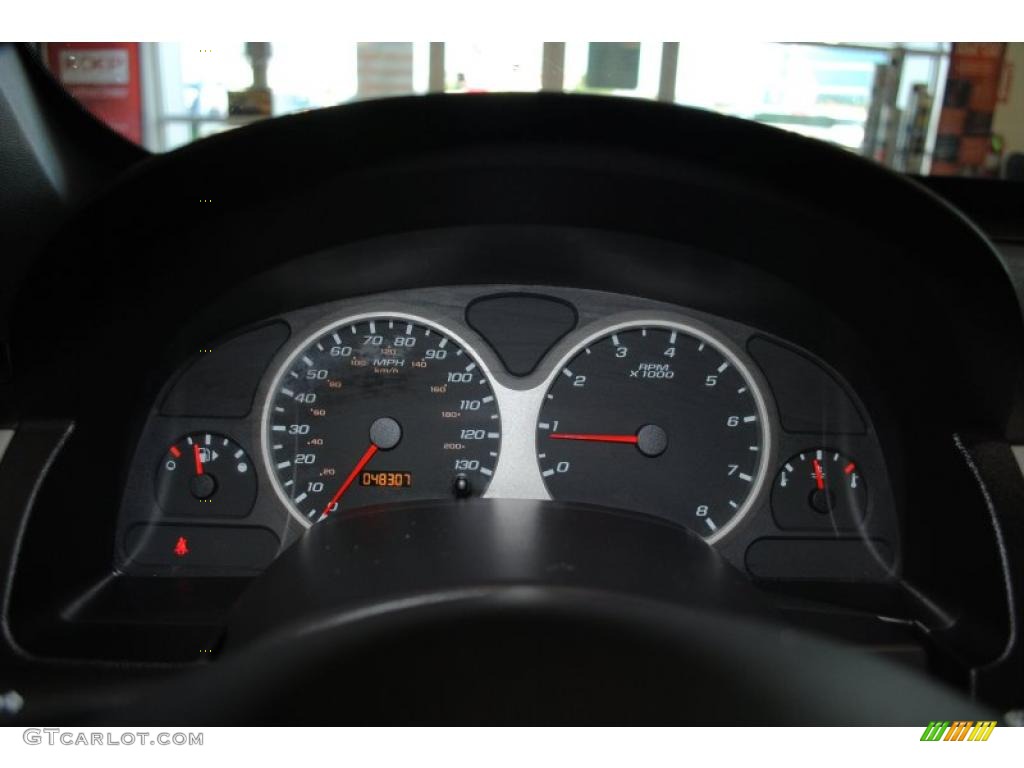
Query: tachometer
(656, 418)
(379, 409)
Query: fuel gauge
(205, 475)
(819, 489)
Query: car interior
(533, 408)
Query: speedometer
(656, 418)
(379, 409)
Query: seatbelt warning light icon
(181, 548)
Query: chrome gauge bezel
(296, 349)
(517, 474)
(754, 381)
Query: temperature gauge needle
(819, 477)
(363, 461)
(631, 439)
(198, 458)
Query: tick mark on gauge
(307, 360)
(336, 337)
(287, 392)
(710, 523)
(567, 372)
(485, 471)
(746, 478)
(373, 327)
(548, 472)
(470, 367)
(284, 465)
(278, 428)
(748, 419)
(488, 399)
(442, 343)
(300, 498)
(723, 366)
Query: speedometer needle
(631, 439)
(350, 479)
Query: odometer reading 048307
(377, 410)
(657, 419)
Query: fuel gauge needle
(363, 461)
(198, 458)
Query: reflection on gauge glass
(656, 418)
(375, 410)
(205, 475)
(819, 489)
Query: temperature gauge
(819, 489)
(205, 475)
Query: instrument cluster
(507, 392)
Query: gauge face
(819, 489)
(376, 410)
(207, 475)
(657, 419)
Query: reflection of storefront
(104, 77)
(879, 100)
(966, 144)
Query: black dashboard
(334, 320)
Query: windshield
(922, 108)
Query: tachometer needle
(819, 477)
(350, 479)
(631, 439)
(199, 461)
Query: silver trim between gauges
(655, 320)
(322, 330)
(517, 474)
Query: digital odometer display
(369, 405)
(657, 419)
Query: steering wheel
(525, 611)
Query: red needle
(595, 438)
(351, 478)
(819, 478)
(199, 461)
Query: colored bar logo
(959, 730)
